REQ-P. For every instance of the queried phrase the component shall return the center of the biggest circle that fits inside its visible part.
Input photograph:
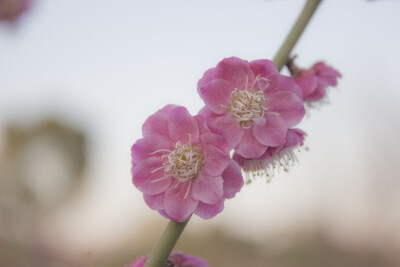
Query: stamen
(159, 179)
(247, 105)
(254, 82)
(184, 163)
(176, 185)
(273, 113)
(279, 162)
(190, 138)
(160, 150)
(157, 169)
(188, 189)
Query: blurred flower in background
(11, 10)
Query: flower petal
(208, 211)
(180, 124)
(216, 93)
(307, 85)
(318, 94)
(234, 70)
(272, 133)
(283, 83)
(208, 137)
(177, 207)
(142, 176)
(233, 179)
(155, 202)
(226, 123)
(249, 147)
(215, 161)
(208, 189)
(263, 84)
(157, 124)
(143, 148)
(288, 105)
(264, 67)
(207, 77)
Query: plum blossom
(275, 158)
(11, 10)
(182, 166)
(176, 259)
(251, 103)
(314, 81)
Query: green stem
(282, 56)
(159, 255)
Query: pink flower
(181, 166)
(314, 81)
(11, 10)
(176, 259)
(274, 158)
(251, 103)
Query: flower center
(185, 162)
(247, 105)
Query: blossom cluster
(183, 163)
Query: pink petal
(215, 161)
(272, 133)
(325, 70)
(178, 258)
(207, 77)
(177, 207)
(216, 93)
(328, 80)
(163, 213)
(234, 70)
(207, 137)
(208, 189)
(326, 74)
(155, 202)
(294, 137)
(142, 176)
(249, 147)
(318, 94)
(208, 211)
(233, 179)
(227, 124)
(157, 124)
(238, 159)
(283, 83)
(143, 148)
(288, 105)
(264, 67)
(307, 85)
(263, 84)
(181, 124)
(192, 261)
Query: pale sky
(105, 66)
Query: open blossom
(314, 81)
(181, 166)
(274, 158)
(251, 103)
(176, 259)
(11, 10)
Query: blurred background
(79, 78)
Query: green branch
(159, 255)
(283, 54)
